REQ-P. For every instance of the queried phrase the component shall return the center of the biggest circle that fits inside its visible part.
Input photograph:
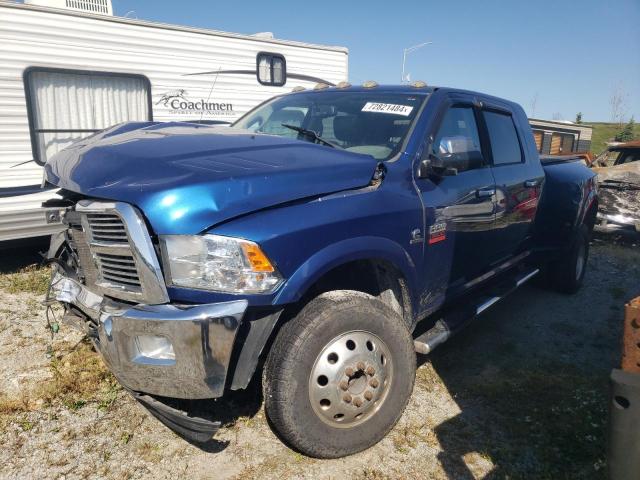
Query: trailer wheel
(339, 375)
(567, 274)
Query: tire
(319, 416)
(567, 274)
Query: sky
(555, 58)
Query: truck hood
(187, 178)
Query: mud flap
(192, 428)
(624, 426)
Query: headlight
(222, 264)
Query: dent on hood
(187, 178)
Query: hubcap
(581, 260)
(350, 379)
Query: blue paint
(312, 208)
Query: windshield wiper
(311, 134)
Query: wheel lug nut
(371, 371)
(344, 385)
(368, 395)
(347, 398)
(374, 382)
(349, 371)
(360, 365)
(357, 402)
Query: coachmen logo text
(178, 102)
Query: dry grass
(149, 452)
(411, 435)
(30, 279)
(78, 378)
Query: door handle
(485, 192)
(531, 183)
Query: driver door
(459, 202)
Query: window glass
(66, 107)
(264, 69)
(458, 132)
(278, 70)
(628, 157)
(371, 123)
(271, 69)
(288, 116)
(505, 145)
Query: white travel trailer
(68, 68)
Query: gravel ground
(521, 393)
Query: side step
(457, 319)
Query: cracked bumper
(202, 337)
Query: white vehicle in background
(69, 69)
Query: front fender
(345, 251)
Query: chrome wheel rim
(350, 379)
(581, 260)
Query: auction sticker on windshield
(403, 110)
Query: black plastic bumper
(195, 429)
(624, 426)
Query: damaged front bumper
(199, 340)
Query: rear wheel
(567, 274)
(339, 375)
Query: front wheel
(339, 375)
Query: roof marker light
(343, 85)
(370, 84)
(419, 84)
(320, 86)
(298, 89)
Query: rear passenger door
(518, 179)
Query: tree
(618, 103)
(626, 134)
(579, 117)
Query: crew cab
(303, 245)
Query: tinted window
(505, 145)
(628, 157)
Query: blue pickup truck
(302, 245)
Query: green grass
(604, 132)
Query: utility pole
(408, 51)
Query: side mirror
(435, 167)
(456, 154)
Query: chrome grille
(115, 252)
(109, 243)
(107, 228)
(119, 269)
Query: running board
(453, 322)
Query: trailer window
(272, 69)
(65, 106)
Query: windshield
(372, 123)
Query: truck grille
(107, 228)
(119, 269)
(115, 252)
